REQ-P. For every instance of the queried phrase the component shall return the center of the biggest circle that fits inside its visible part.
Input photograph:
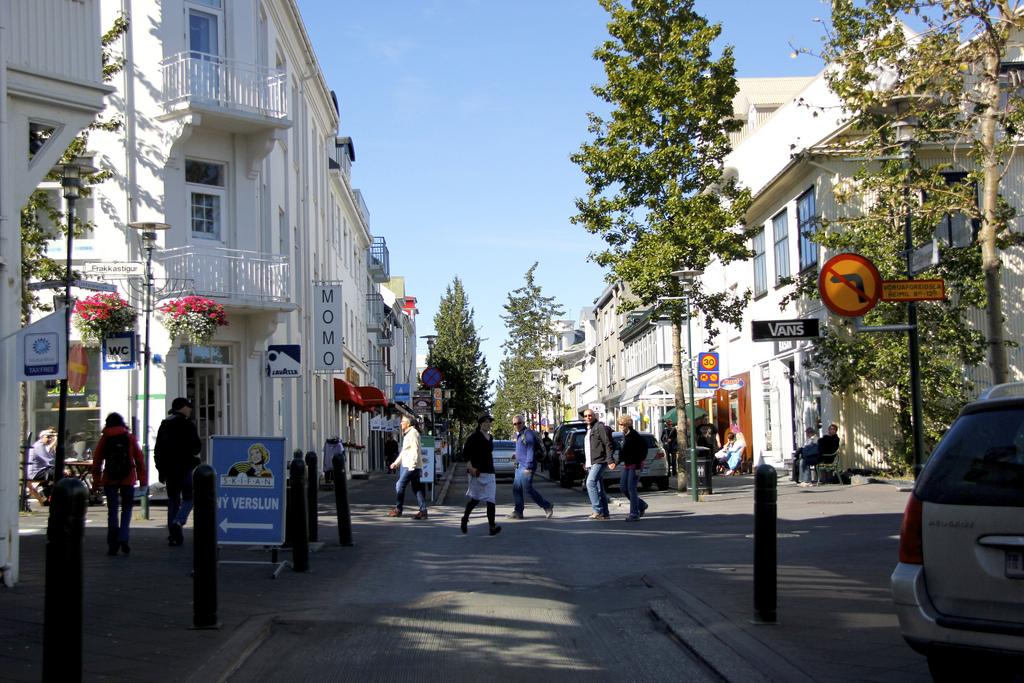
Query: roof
(766, 93)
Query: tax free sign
(328, 328)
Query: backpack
(539, 452)
(117, 458)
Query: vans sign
(775, 330)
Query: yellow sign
(913, 290)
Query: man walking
(526, 442)
(597, 447)
(176, 454)
(409, 462)
(670, 440)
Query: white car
(655, 469)
(504, 462)
(959, 586)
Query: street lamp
(149, 244)
(686, 279)
(71, 180)
(538, 377)
(431, 340)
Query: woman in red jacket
(117, 465)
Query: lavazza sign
(777, 330)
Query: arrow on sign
(225, 525)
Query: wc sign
(119, 352)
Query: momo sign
(776, 330)
(328, 328)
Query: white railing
(194, 76)
(234, 273)
(374, 312)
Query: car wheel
(645, 484)
(663, 484)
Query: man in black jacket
(599, 452)
(670, 440)
(176, 455)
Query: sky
(463, 114)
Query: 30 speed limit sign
(707, 373)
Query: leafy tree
(972, 109)
(655, 168)
(530, 333)
(457, 355)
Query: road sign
(923, 258)
(119, 352)
(850, 285)
(775, 330)
(431, 377)
(707, 373)
(78, 368)
(402, 393)
(250, 488)
(284, 360)
(117, 269)
(913, 290)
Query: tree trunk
(990, 264)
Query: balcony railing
(377, 263)
(374, 312)
(224, 83)
(386, 336)
(376, 372)
(389, 386)
(234, 273)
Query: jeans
(126, 494)
(406, 477)
(627, 484)
(805, 468)
(524, 481)
(595, 488)
(179, 498)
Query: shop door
(206, 388)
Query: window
(780, 231)
(806, 225)
(760, 265)
(1011, 84)
(205, 202)
(958, 229)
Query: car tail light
(661, 454)
(911, 551)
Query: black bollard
(297, 517)
(65, 582)
(765, 555)
(204, 553)
(313, 485)
(288, 504)
(341, 500)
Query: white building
(51, 87)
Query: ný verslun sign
(776, 330)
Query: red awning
(373, 397)
(346, 393)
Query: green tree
(528, 319)
(655, 168)
(972, 109)
(457, 355)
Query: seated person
(733, 453)
(829, 444)
(40, 459)
(807, 455)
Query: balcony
(376, 373)
(386, 336)
(374, 312)
(233, 96)
(244, 276)
(377, 260)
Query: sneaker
(462, 524)
(112, 549)
(176, 536)
(124, 547)
(550, 511)
(514, 515)
(495, 530)
(632, 519)
(395, 513)
(805, 484)
(643, 510)
(595, 515)
(422, 514)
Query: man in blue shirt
(525, 443)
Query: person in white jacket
(409, 463)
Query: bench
(828, 462)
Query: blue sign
(283, 360)
(250, 488)
(119, 352)
(402, 393)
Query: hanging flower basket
(103, 315)
(195, 317)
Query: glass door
(204, 53)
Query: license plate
(1014, 564)
(644, 470)
(502, 459)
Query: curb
(252, 633)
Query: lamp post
(431, 340)
(149, 244)
(686, 278)
(71, 180)
(538, 376)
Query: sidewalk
(836, 548)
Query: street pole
(693, 413)
(913, 343)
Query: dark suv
(959, 586)
(558, 444)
